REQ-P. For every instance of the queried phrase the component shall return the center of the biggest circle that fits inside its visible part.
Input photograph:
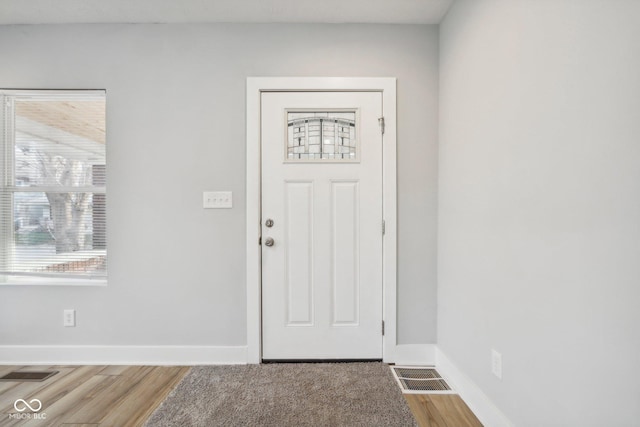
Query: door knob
(268, 241)
(269, 223)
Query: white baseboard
(488, 414)
(415, 354)
(121, 355)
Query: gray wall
(176, 127)
(539, 207)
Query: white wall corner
(122, 355)
(483, 408)
(415, 354)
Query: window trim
(8, 187)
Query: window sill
(48, 281)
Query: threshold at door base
(319, 360)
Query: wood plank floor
(90, 395)
(123, 396)
(441, 410)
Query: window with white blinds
(52, 187)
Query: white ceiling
(187, 11)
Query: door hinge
(383, 327)
(384, 227)
(260, 241)
(381, 123)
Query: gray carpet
(295, 394)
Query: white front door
(321, 225)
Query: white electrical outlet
(69, 318)
(217, 199)
(496, 363)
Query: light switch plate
(217, 199)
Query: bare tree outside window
(69, 211)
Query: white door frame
(257, 85)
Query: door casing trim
(255, 87)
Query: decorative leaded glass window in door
(321, 135)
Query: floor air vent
(20, 376)
(419, 380)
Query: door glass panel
(321, 135)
